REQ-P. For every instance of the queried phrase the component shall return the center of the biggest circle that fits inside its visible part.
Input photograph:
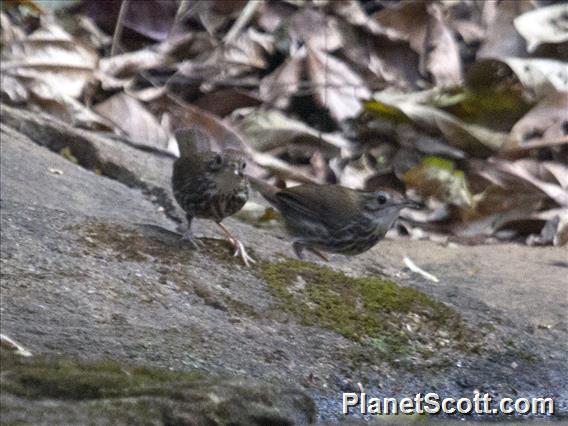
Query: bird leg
(239, 247)
(319, 254)
(188, 235)
(299, 248)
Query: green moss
(43, 378)
(387, 317)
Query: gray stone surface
(93, 269)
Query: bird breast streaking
(208, 184)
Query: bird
(209, 185)
(333, 218)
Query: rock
(47, 391)
(93, 270)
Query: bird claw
(240, 251)
(188, 236)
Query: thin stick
(243, 19)
(119, 26)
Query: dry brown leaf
(544, 125)
(223, 102)
(9, 32)
(282, 169)
(267, 130)
(516, 169)
(470, 138)
(558, 170)
(277, 87)
(442, 55)
(50, 63)
(544, 25)
(315, 29)
(13, 89)
(131, 117)
(337, 87)
(129, 64)
(501, 38)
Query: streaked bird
(333, 218)
(208, 184)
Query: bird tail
(266, 190)
(191, 140)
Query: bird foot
(241, 252)
(188, 236)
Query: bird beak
(412, 204)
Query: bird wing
(336, 208)
(191, 140)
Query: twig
(415, 268)
(182, 11)
(243, 19)
(119, 26)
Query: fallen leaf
(337, 87)
(516, 169)
(501, 38)
(277, 87)
(544, 25)
(544, 125)
(133, 119)
(266, 130)
(50, 63)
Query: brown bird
(209, 185)
(333, 218)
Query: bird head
(234, 161)
(384, 206)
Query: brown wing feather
(336, 208)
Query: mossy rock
(386, 317)
(53, 391)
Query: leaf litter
(461, 104)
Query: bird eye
(382, 199)
(216, 162)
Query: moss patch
(114, 393)
(388, 318)
(42, 378)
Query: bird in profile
(209, 185)
(333, 218)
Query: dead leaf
(337, 87)
(315, 29)
(471, 138)
(131, 117)
(266, 130)
(544, 125)
(516, 169)
(223, 102)
(129, 64)
(442, 55)
(501, 38)
(277, 87)
(50, 63)
(151, 18)
(544, 25)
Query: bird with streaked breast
(333, 218)
(208, 184)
